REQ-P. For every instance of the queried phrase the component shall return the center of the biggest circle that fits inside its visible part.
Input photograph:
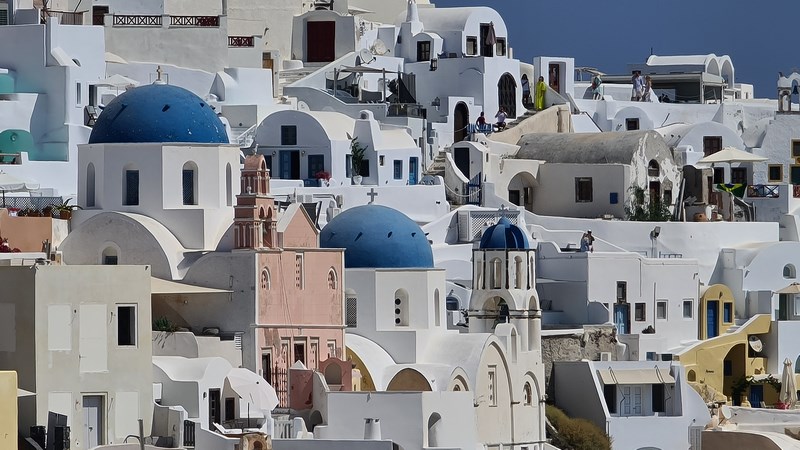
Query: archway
(434, 423)
(520, 190)
(460, 122)
(495, 311)
(314, 420)
(409, 380)
(507, 94)
(734, 368)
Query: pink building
(299, 294)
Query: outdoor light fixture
(434, 63)
(436, 102)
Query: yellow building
(717, 312)
(8, 410)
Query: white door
(92, 420)
(631, 400)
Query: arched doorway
(507, 94)
(520, 190)
(460, 122)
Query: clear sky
(761, 36)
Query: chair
(226, 431)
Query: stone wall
(574, 345)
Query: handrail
(246, 138)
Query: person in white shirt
(501, 119)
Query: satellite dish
(379, 48)
(366, 56)
(725, 412)
(755, 344)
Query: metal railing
(194, 21)
(64, 17)
(30, 203)
(241, 41)
(137, 21)
(10, 158)
(188, 433)
(764, 191)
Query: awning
(636, 376)
(164, 287)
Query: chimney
(372, 429)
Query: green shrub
(576, 434)
(164, 324)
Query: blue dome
(375, 236)
(504, 235)
(158, 113)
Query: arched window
(497, 274)
(527, 394)
(190, 183)
(520, 274)
(332, 281)
(653, 169)
(507, 94)
(531, 274)
(90, 185)
(437, 314)
(789, 271)
(401, 308)
(228, 185)
(110, 256)
(266, 280)
(434, 423)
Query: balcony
(765, 191)
(64, 17)
(136, 21)
(194, 21)
(404, 110)
(241, 41)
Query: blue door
(622, 318)
(712, 312)
(412, 170)
(756, 395)
(290, 165)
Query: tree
(652, 210)
(357, 152)
(575, 434)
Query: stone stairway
(287, 77)
(438, 166)
(528, 113)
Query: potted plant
(64, 210)
(323, 177)
(357, 152)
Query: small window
(492, 388)
(711, 144)
(348, 166)
(796, 149)
(398, 169)
(622, 291)
(189, 197)
(688, 309)
(667, 197)
(610, 394)
(775, 173)
(451, 303)
(528, 395)
(653, 169)
(365, 168)
(99, 15)
(288, 135)
(131, 187)
(794, 174)
(727, 312)
(500, 49)
(78, 94)
(299, 271)
(110, 256)
(583, 190)
(658, 398)
(719, 175)
(126, 325)
(632, 123)
(472, 45)
(381, 160)
(661, 309)
(727, 368)
(789, 271)
(639, 311)
(351, 311)
(739, 175)
(424, 51)
(230, 408)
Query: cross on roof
(372, 194)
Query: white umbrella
(731, 155)
(117, 81)
(793, 288)
(10, 183)
(253, 389)
(788, 390)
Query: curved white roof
(674, 60)
(374, 357)
(462, 350)
(336, 125)
(456, 19)
(178, 368)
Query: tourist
(481, 120)
(648, 87)
(587, 242)
(541, 89)
(597, 82)
(526, 91)
(554, 79)
(638, 87)
(501, 119)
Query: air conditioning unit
(605, 356)
(465, 234)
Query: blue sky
(761, 37)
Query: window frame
(665, 305)
(397, 168)
(727, 312)
(501, 47)
(632, 124)
(132, 198)
(690, 303)
(708, 148)
(795, 148)
(288, 134)
(580, 194)
(473, 41)
(640, 312)
(424, 50)
(772, 179)
(134, 327)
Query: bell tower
(254, 214)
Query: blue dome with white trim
(158, 113)
(375, 236)
(504, 235)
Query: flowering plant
(322, 175)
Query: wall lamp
(434, 63)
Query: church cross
(372, 194)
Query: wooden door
(320, 41)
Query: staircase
(438, 166)
(528, 113)
(287, 77)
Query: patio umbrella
(788, 394)
(10, 183)
(731, 155)
(793, 288)
(491, 38)
(253, 389)
(117, 81)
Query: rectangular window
(639, 312)
(775, 173)
(658, 398)
(351, 312)
(583, 190)
(500, 48)
(188, 187)
(610, 394)
(668, 197)
(288, 135)
(622, 291)
(727, 312)
(316, 164)
(727, 368)
(472, 45)
(492, 386)
(348, 166)
(365, 168)
(99, 15)
(739, 175)
(688, 309)
(126, 325)
(795, 148)
(300, 352)
(719, 175)
(398, 169)
(794, 174)
(299, 272)
(230, 408)
(331, 349)
(4, 15)
(131, 187)
(711, 144)
(661, 310)
(797, 306)
(110, 260)
(487, 49)
(381, 160)
(632, 124)
(424, 51)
